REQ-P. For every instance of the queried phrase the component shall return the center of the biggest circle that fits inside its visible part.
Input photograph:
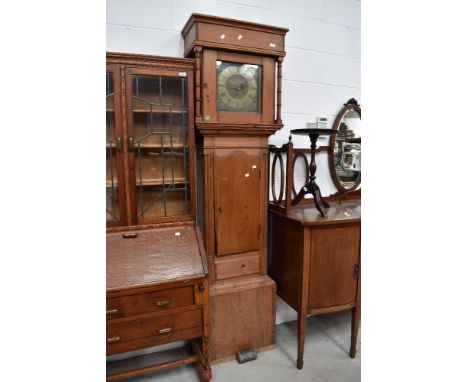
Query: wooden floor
(325, 359)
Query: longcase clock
(237, 78)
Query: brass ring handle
(163, 302)
(164, 331)
(113, 339)
(112, 311)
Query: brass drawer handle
(113, 339)
(163, 302)
(130, 235)
(164, 331)
(112, 311)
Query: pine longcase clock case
(238, 68)
(149, 140)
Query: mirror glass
(347, 150)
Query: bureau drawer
(135, 304)
(134, 334)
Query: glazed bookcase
(156, 269)
(149, 140)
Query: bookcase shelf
(143, 111)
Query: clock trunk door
(237, 200)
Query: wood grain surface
(154, 256)
(334, 254)
(347, 212)
(242, 314)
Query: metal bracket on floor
(246, 355)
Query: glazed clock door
(238, 88)
(115, 198)
(159, 138)
(237, 200)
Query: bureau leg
(202, 348)
(204, 374)
(301, 333)
(356, 320)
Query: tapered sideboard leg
(356, 320)
(301, 333)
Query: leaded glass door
(115, 199)
(159, 139)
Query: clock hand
(240, 87)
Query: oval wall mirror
(345, 148)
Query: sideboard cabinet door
(334, 257)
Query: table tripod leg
(318, 200)
(304, 190)
(325, 203)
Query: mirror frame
(352, 104)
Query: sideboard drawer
(132, 305)
(127, 335)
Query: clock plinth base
(242, 315)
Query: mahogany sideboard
(315, 262)
(157, 293)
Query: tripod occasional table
(311, 187)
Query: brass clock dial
(238, 87)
